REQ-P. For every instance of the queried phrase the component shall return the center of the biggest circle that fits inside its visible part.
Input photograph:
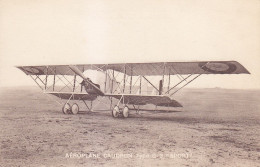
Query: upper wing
(173, 68)
(66, 70)
(158, 100)
(136, 69)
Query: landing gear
(74, 108)
(125, 112)
(67, 109)
(116, 112)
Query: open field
(216, 127)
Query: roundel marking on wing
(33, 71)
(218, 67)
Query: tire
(75, 109)
(66, 108)
(125, 112)
(115, 112)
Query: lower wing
(158, 100)
(73, 96)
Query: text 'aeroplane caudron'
(131, 84)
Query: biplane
(130, 84)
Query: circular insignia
(33, 71)
(218, 67)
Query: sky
(34, 32)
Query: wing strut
(185, 85)
(184, 79)
(178, 83)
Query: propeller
(78, 72)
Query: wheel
(115, 112)
(66, 108)
(74, 108)
(125, 112)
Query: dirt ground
(216, 127)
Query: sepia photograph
(129, 83)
